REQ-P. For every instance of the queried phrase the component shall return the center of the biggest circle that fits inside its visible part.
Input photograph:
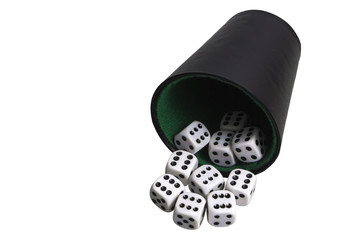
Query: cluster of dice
(206, 184)
(234, 141)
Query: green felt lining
(207, 98)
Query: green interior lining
(206, 99)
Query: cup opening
(206, 98)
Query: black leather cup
(255, 52)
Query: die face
(205, 180)
(220, 151)
(181, 164)
(221, 208)
(189, 210)
(242, 183)
(192, 138)
(248, 144)
(165, 190)
(233, 121)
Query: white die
(165, 190)
(221, 210)
(242, 183)
(189, 210)
(248, 144)
(233, 121)
(206, 179)
(181, 164)
(192, 138)
(220, 151)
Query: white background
(78, 151)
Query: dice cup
(248, 65)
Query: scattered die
(189, 210)
(165, 191)
(248, 144)
(221, 210)
(242, 183)
(220, 151)
(206, 179)
(181, 164)
(233, 121)
(192, 138)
